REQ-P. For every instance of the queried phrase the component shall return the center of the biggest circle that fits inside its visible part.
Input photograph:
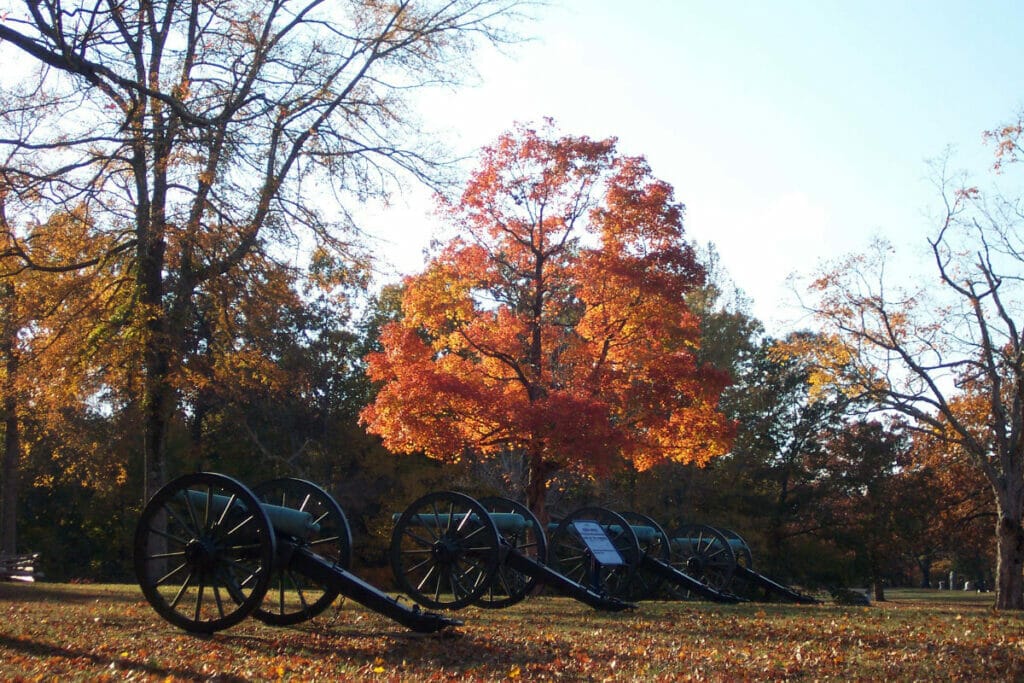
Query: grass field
(108, 632)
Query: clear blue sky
(794, 131)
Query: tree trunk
(536, 497)
(537, 486)
(1010, 560)
(155, 442)
(12, 445)
(9, 495)
(157, 400)
(157, 395)
(877, 579)
(925, 565)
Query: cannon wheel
(203, 553)
(570, 556)
(293, 598)
(647, 585)
(445, 550)
(740, 548)
(510, 586)
(703, 553)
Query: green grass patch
(105, 632)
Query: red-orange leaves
(556, 323)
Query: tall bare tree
(949, 353)
(195, 132)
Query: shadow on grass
(16, 591)
(36, 649)
(487, 650)
(365, 640)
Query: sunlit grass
(93, 632)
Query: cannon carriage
(746, 574)
(722, 558)
(209, 552)
(661, 567)
(708, 563)
(695, 561)
(449, 550)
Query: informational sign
(597, 542)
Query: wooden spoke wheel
(510, 586)
(654, 544)
(204, 552)
(703, 553)
(445, 550)
(572, 555)
(739, 548)
(293, 598)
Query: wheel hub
(201, 554)
(446, 550)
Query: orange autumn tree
(555, 324)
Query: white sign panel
(597, 542)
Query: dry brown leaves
(60, 632)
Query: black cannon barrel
(562, 583)
(309, 564)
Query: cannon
(596, 546)
(717, 558)
(208, 552)
(745, 572)
(704, 553)
(662, 567)
(449, 550)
